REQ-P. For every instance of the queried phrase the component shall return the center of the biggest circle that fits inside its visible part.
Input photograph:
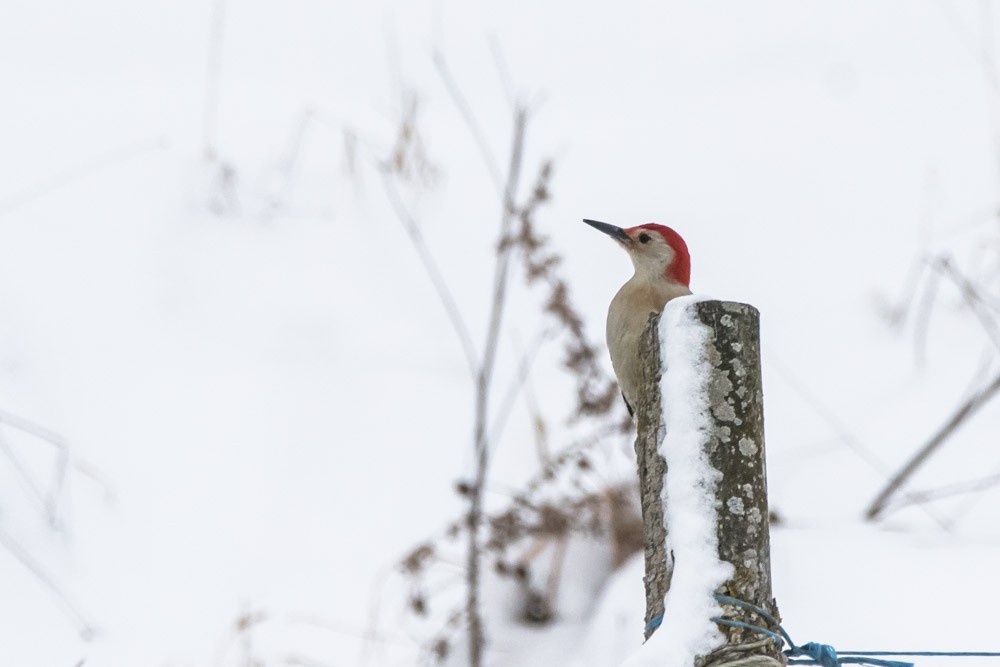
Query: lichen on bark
(650, 431)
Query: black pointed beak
(617, 233)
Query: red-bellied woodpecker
(662, 272)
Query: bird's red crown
(679, 269)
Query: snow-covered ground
(265, 404)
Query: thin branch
(897, 311)
(503, 72)
(972, 297)
(31, 488)
(538, 423)
(973, 498)
(966, 37)
(240, 632)
(440, 647)
(371, 634)
(72, 174)
(52, 497)
(308, 121)
(842, 431)
(287, 170)
(988, 40)
(923, 316)
(556, 569)
(431, 267)
(213, 78)
(395, 62)
(964, 412)
(983, 371)
(499, 279)
(950, 491)
(32, 428)
(484, 379)
(470, 122)
(570, 454)
(517, 384)
(85, 629)
(840, 428)
(95, 476)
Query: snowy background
(206, 295)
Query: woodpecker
(662, 272)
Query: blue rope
(813, 653)
(654, 622)
(940, 654)
(807, 654)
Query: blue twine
(814, 653)
(654, 622)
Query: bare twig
(841, 429)
(923, 316)
(964, 412)
(307, 121)
(981, 54)
(972, 498)
(213, 77)
(84, 626)
(32, 428)
(973, 297)
(518, 383)
(555, 573)
(538, 424)
(51, 498)
(77, 172)
(503, 71)
(371, 635)
(472, 124)
(597, 393)
(982, 308)
(483, 383)
(988, 37)
(408, 158)
(31, 488)
(482, 367)
(897, 311)
(430, 265)
(950, 491)
(281, 194)
(240, 632)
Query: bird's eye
(644, 238)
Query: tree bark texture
(650, 431)
(735, 447)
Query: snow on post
(700, 449)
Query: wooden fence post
(735, 447)
(650, 432)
